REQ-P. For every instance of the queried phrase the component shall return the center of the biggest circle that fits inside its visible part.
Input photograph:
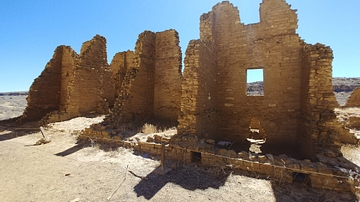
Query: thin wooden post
(162, 170)
(163, 156)
(43, 133)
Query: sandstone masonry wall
(237, 48)
(136, 100)
(199, 92)
(151, 88)
(167, 81)
(318, 101)
(354, 99)
(68, 65)
(297, 107)
(44, 94)
(91, 76)
(120, 64)
(72, 84)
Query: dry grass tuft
(149, 129)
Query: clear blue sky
(31, 30)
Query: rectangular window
(255, 82)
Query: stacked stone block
(167, 81)
(296, 110)
(199, 92)
(236, 48)
(44, 95)
(72, 84)
(151, 88)
(120, 64)
(318, 120)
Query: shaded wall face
(167, 81)
(240, 48)
(199, 92)
(44, 93)
(120, 64)
(136, 99)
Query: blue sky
(31, 30)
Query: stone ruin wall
(277, 52)
(167, 81)
(295, 94)
(136, 101)
(199, 92)
(92, 84)
(296, 109)
(44, 96)
(72, 84)
(354, 99)
(209, 100)
(238, 47)
(120, 64)
(318, 121)
(151, 88)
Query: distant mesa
(14, 93)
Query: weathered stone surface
(297, 106)
(150, 79)
(44, 96)
(72, 84)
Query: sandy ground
(12, 106)
(64, 171)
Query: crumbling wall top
(93, 53)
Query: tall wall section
(199, 92)
(120, 64)
(44, 93)
(136, 99)
(68, 64)
(271, 45)
(167, 81)
(318, 121)
(92, 84)
(151, 86)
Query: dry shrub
(149, 129)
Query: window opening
(255, 82)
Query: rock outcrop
(354, 99)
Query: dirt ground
(64, 171)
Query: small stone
(210, 141)
(243, 154)
(192, 139)
(330, 154)
(262, 158)
(222, 152)
(157, 138)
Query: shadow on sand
(189, 178)
(71, 150)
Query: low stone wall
(334, 173)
